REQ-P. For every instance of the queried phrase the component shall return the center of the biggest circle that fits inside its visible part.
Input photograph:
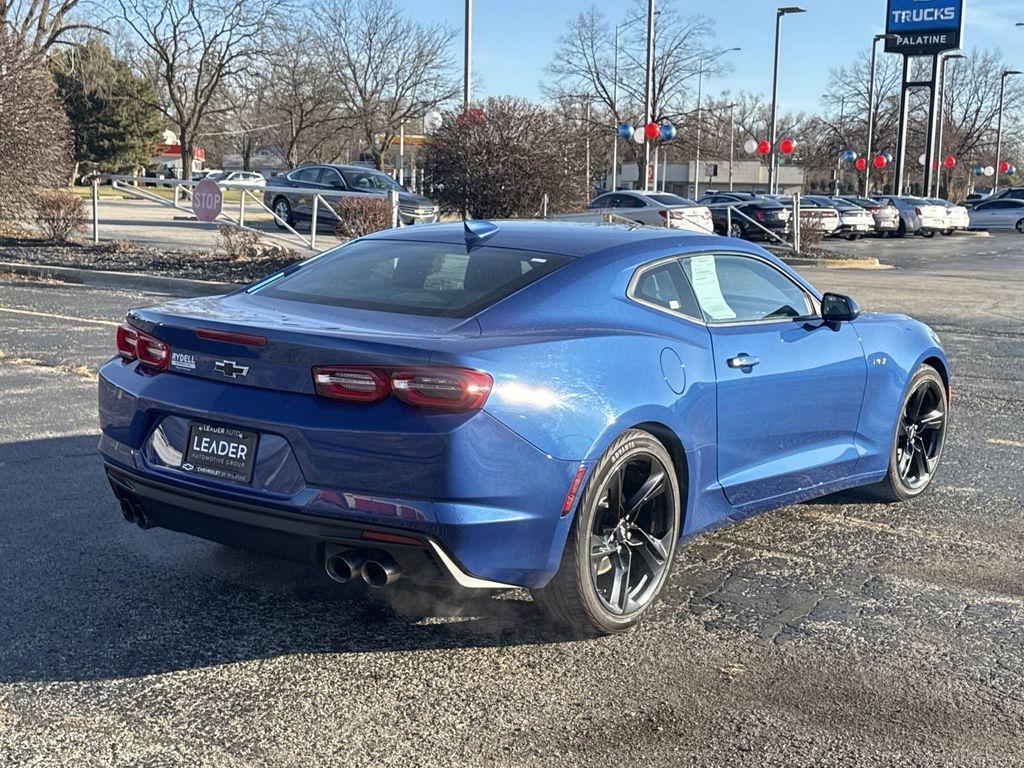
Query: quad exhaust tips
(377, 569)
(344, 566)
(134, 513)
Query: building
(747, 176)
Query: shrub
(59, 214)
(245, 244)
(361, 215)
(810, 229)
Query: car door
(307, 179)
(789, 386)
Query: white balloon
(750, 146)
(432, 121)
(638, 135)
(920, 160)
(989, 170)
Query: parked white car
(934, 218)
(824, 218)
(656, 209)
(854, 221)
(886, 216)
(998, 214)
(241, 177)
(956, 214)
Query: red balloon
(764, 147)
(949, 161)
(652, 130)
(878, 162)
(786, 146)
(1004, 166)
(861, 164)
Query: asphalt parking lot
(827, 634)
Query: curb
(867, 263)
(109, 279)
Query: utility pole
(773, 156)
(649, 92)
(467, 71)
(999, 124)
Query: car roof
(568, 238)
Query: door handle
(742, 360)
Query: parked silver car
(887, 217)
(956, 214)
(656, 209)
(1002, 213)
(854, 221)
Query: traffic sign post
(921, 28)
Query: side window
(666, 286)
(602, 201)
(332, 179)
(731, 288)
(306, 175)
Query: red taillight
(759, 214)
(663, 213)
(391, 538)
(362, 385)
(133, 344)
(452, 389)
(574, 488)
(917, 211)
(248, 339)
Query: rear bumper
(299, 537)
(487, 498)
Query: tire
(1019, 226)
(284, 210)
(902, 231)
(903, 484)
(736, 230)
(947, 232)
(851, 238)
(927, 233)
(582, 596)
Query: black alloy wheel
(1019, 226)
(632, 534)
(283, 212)
(920, 434)
(917, 444)
(736, 230)
(618, 554)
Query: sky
(514, 40)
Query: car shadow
(88, 596)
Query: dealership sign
(924, 27)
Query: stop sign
(207, 200)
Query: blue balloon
(625, 131)
(849, 155)
(888, 157)
(977, 170)
(668, 131)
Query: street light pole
(700, 91)
(871, 109)
(732, 140)
(773, 156)
(649, 92)
(466, 75)
(615, 95)
(999, 124)
(942, 110)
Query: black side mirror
(835, 307)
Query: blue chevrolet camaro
(520, 404)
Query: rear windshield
(439, 279)
(671, 200)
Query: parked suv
(298, 206)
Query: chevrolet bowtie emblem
(231, 369)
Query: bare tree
(304, 102)
(40, 24)
(35, 137)
(584, 63)
(190, 49)
(389, 69)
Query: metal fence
(251, 198)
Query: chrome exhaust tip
(381, 571)
(344, 566)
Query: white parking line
(33, 313)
